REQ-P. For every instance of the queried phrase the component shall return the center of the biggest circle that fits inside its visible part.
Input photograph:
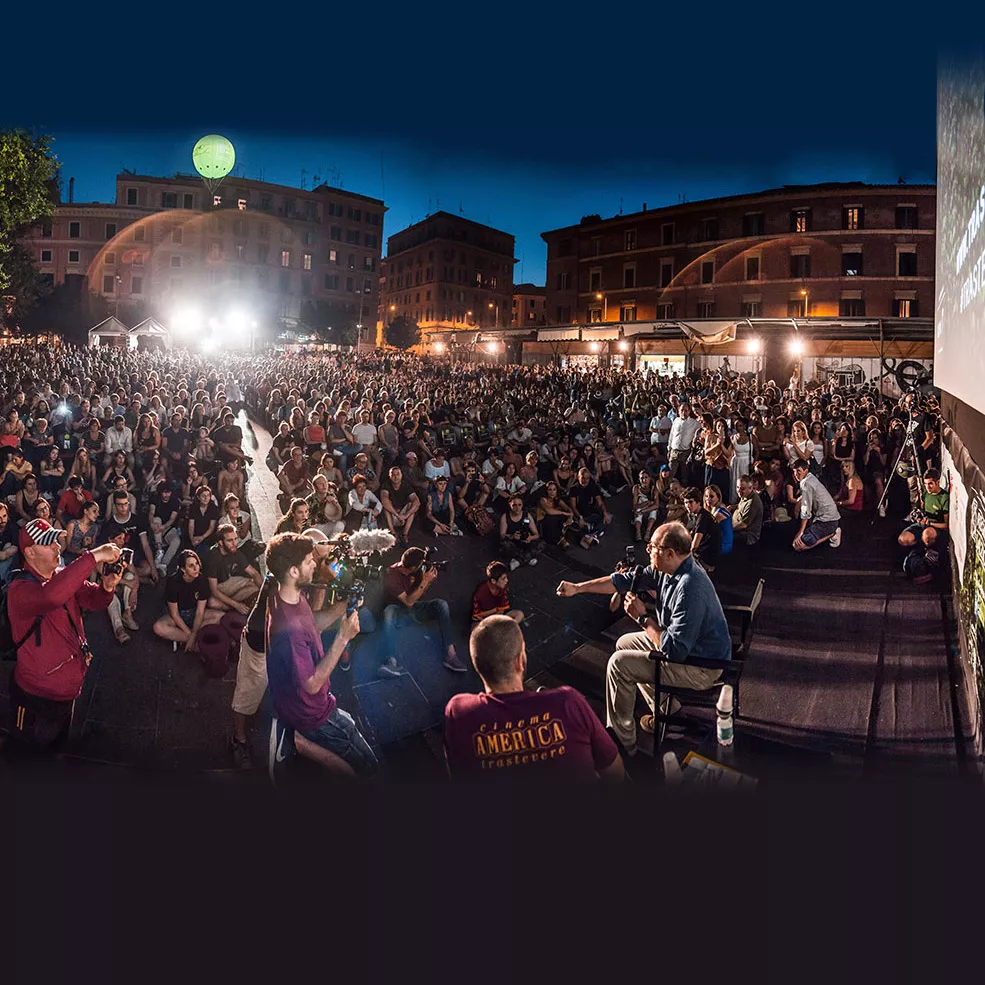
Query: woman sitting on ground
(553, 515)
(851, 495)
(646, 506)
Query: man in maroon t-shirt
(492, 597)
(507, 731)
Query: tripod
(908, 443)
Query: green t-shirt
(935, 505)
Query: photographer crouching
(44, 608)
(406, 582)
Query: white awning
(558, 334)
(709, 332)
(599, 334)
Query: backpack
(8, 645)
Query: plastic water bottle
(672, 770)
(726, 727)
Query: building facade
(830, 250)
(284, 254)
(448, 273)
(529, 306)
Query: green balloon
(213, 156)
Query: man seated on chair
(298, 669)
(688, 624)
(819, 516)
(508, 731)
(233, 582)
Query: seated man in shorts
(819, 516)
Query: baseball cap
(38, 532)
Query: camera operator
(688, 623)
(44, 607)
(298, 669)
(406, 582)
(492, 597)
(519, 537)
(186, 595)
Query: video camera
(627, 566)
(346, 571)
(431, 562)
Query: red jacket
(57, 668)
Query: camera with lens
(430, 561)
(119, 566)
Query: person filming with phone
(44, 609)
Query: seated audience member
(231, 479)
(747, 514)
(492, 597)
(405, 583)
(124, 520)
(706, 536)
(294, 478)
(400, 504)
(415, 476)
(330, 469)
(124, 602)
(365, 435)
(17, 469)
(82, 534)
(819, 516)
(931, 529)
(119, 484)
(243, 523)
(233, 582)
(554, 515)
(589, 509)
(361, 466)
(228, 438)
(296, 519)
(203, 519)
(519, 537)
(9, 539)
(280, 447)
(186, 596)
(52, 470)
(645, 506)
(298, 669)
(73, 501)
(712, 501)
(439, 509)
(852, 490)
(688, 623)
(471, 498)
(364, 508)
(118, 438)
(437, 465)
(562, 738)
(193, 481)
(164, 517)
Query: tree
(402, 332)
(25, 286)
(68, 313)
(28, 192)
(332, 321)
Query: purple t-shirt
(525, 734)
(294, 649)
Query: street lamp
(495, 304)
(806, 302)
(599, 296)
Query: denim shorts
(339, 734)
(817, 529)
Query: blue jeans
(399, 615)
(338, 734)
(348, 452)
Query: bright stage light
(797, 347)
(186, 321)
(209, 345)
(438, 348)
(237, 321)
(755, 346)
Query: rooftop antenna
(382, 179)
(620, 204)
(315, 180)
(304, 179)
(461, 211)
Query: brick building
(448, 273)
(829, 250)
(168, 242)
(529, 306)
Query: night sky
(526, 121)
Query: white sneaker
(514, 564)
(882, 510)
(531, 561)
(835, 540)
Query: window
(629, 240)
(800, 265)
(752, 268)
(627, 312)
(336, 233)
(110, 230)
(751, 309)
(306, 261)
(665, 310)
(373, 218)
(417, 298)
(853, 217)
(851, 308)
(46, 229)
(309, 238)
(666, 272)
(851, 264)
(350, 284)
(352, 237)
(596, 246)
(46, 256)
(800, 221)
(169, 200)
(110, 259)
(74, 230)
(709, 229)
(335, 209)
(367, 286)
(175, 262)
(629, 275)
(753, 224)
(262, 253)
(666, 234)
(427, 295)
(355, 214)
(369, 262)
(109, 282)
(370, 240)
(139, 234)
(188, 202)
(904, 307)
(906, 261)
(708, 272)
(331, 282)
(138, 260)
(333, 256)
(73, 256)
(706, 309)
(266, 203)
(595, 315)
(136, 285)
(906, 217)
(177, 235)
(595, 279)
(131, 196)
(285, 258)
(564, 314)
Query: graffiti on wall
(893, 376)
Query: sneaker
(455, 532)
(345, 661)
(391, 669)
(514, 564)
(159, 558)
(436, 534)
(241, 754)
(882, 510)
(162, 571)
(127, 616)
(607, 494)
(835, 540)
(453, 663)
(531, 561)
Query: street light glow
(438, 348)
(797, 347)
(594, 347)
(623, 346)
(755, 346)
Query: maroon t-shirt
(525, 734)
(484, 599)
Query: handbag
(479, 519)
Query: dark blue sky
(528, 120)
